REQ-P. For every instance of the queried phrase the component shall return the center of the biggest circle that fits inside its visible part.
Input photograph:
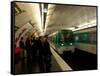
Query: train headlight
(62, 44)
(71, 44)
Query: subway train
(86, 38)
(64, 40)
(78, 45)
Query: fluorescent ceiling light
(45, 10)
(86, 25)
(53, 33)
(38, 18)
(72, 28)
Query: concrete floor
(22, 68)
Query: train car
(77, 48)
(64, 41)
(86, 39)
(67, 40)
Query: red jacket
(18, 50)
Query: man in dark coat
(40, 54)
(21, 43)
(47, 54)
(44, 54)
(34, 49)
(22, 46)
(28, 51)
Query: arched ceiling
(54, 18)
(67, 16)
(30, 13)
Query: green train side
(63, 38)
(86, 40)
(67, 40)
(64, 41)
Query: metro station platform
(61, 63)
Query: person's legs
(48, 64)
(41, 65)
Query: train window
(76, 38)
(85, 37)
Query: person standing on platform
(34, 50)
(22, 46)
(41, 54)
(44, 54)
(47, 54)
(28, 51)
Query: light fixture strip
(42, 15)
